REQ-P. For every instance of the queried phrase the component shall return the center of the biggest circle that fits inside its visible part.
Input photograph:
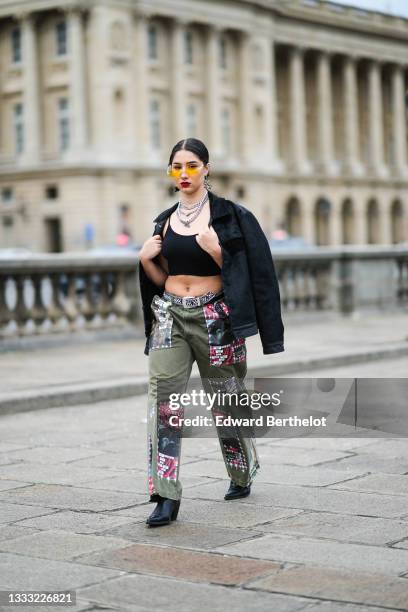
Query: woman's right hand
(151, 248)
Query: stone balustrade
(52, 293)
(344, 278)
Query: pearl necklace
(194, 210)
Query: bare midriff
(187, 284)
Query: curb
(99, 391)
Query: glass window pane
(16, 45)
(152, 42)
(61, 38)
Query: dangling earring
(207, 183)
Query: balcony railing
(344, 279)
(53, 293)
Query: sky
(395, 7)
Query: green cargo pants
(181, 335)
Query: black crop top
(186, 256)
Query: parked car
(106, 250)
(80, 284)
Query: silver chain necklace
(188, 210)
(197, 208)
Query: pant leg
(170, 364)
(221, 359)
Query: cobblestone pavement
(325, 528)
(74, 370)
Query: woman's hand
(151, 248)
(208, 240)
(148, 252)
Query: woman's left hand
(208, 240)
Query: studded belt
(191, 301)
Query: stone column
(271, 106)
(308, 224)
(299, 161)
(178, 81)
(353, 163)
(376, 129)
(100, 102)
(399, 120)
(142, 87)
(325, 123)
(31, 93)
(360, 222)
(384, 221)
(212, 116)
(78, 83)
(335, 220)
(245, 99)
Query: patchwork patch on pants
(225, 348)
(168, 450)
(162, 325)
(234, 454)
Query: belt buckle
(189, 301)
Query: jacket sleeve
(264, 282)
(147, 291)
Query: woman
(207, 282)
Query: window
(191, 120)
(188, 47)
(7, 195)
(63, 124)
(61, 37)
(18, 128)
(155, 123)
(152, 42)
(51, 192)
(223, 52)
(226, 129)
(16, 45)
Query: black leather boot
(157, 509)
(236, 491)
(165, 512)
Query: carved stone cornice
(72, 8)
(22, 14)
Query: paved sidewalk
(325, 528)
(74, 371)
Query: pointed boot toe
(165, 512)
(156, 511)
(236, 491)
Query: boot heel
(175, 511)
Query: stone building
(302, 104)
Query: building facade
(301, 103)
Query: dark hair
(195, 146)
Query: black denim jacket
(248, 274)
